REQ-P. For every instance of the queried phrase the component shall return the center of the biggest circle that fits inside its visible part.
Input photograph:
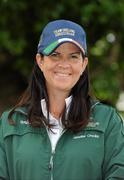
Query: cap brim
(49, 49)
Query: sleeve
(113, 166)
(3, 161)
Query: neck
(57, 104)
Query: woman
(57, 131)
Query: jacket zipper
(50, 166)
(51, 161)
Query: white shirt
(57, 129)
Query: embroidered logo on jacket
(24, 122)
(93, 124)
(86, 136)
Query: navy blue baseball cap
(58, 32)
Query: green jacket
(95, 153)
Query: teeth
(62, 74)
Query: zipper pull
(51, 161)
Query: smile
(62, 74)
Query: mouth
(62, 74)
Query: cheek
(47, 72)
(78, 70)
(44, 68)
(47, 65)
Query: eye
(74, 56)
(54, 54)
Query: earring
(81, 73)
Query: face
(63, 68)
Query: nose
(64, 62)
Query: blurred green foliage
(22, 21)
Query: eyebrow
(77, 52)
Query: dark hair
(78, 114)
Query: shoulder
(99, 109)
(16, 115)
(105, 115)
(19, 117)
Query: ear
(39, 60)
(84, 65)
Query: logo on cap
(64, 31)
